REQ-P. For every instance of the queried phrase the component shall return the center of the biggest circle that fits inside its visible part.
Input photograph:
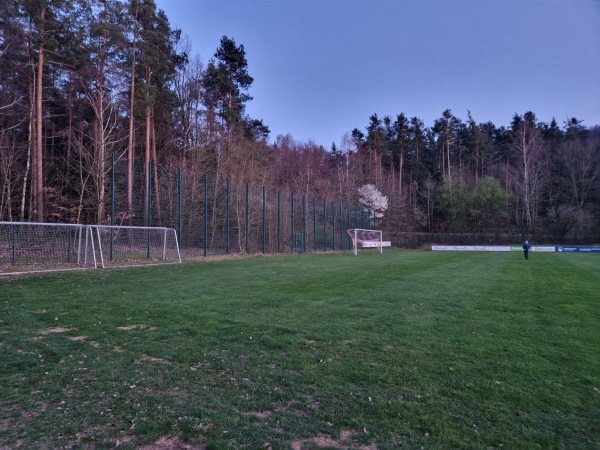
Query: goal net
(120, 246)
(366, 239)
(30, 246)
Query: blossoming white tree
(373, 200)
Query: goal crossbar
(366, 239)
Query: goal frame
(27, 247)
(372, 238)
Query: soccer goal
(120, 246)
(31, 247)
(366, 239)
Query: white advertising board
(375, 244)
(472, 248)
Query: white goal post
(122, 246)
(36, 246)
(366, 239)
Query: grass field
(400, 350)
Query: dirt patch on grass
(152, 359)
(262, 415)
(170, 444)
(289, 405)
(328, 442)
(201, 366)
(83, 339)
(137, 327)
(55, 330)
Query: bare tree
(581, 160)
(529, 171)
(428, 193)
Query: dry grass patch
(170, 444)
(152, 359)
(55, 330)
(137, 327)
(344, 442)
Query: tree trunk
(30, 146)
(130, 143)
(147, 163)
(155, 168)
(39, 155)
(401, 164)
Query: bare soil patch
(328, 442)
(55, 330)
(137, 327)
(170, 444)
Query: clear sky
(322, 67)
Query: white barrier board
(375, 244)
(472, 248)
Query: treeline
(528, 179)
(83, 83)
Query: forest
(87, 86)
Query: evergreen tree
(226, 83)
(400, 147)
(156, 63)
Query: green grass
(400, 350)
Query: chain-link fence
(219, 216)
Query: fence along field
(400, 349)
(220, 216)
(210, 217)
(29, 247)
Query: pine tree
(226, 83)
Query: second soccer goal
(366, 239)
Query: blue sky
(322, 67)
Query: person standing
(526, 248)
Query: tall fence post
(349, 227)
(314, 224)
(69, 244)
(205, 214)
(227, 219)
(341, 228)
(149, 206)
(14, 245)
(278, 221)
(179, 219)
(247, 214)
(333, 225)
(112, 203)
(112, 190)
(149, 195)
(264, 213)
(292, 223)
(303, 223)
(324, 225)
